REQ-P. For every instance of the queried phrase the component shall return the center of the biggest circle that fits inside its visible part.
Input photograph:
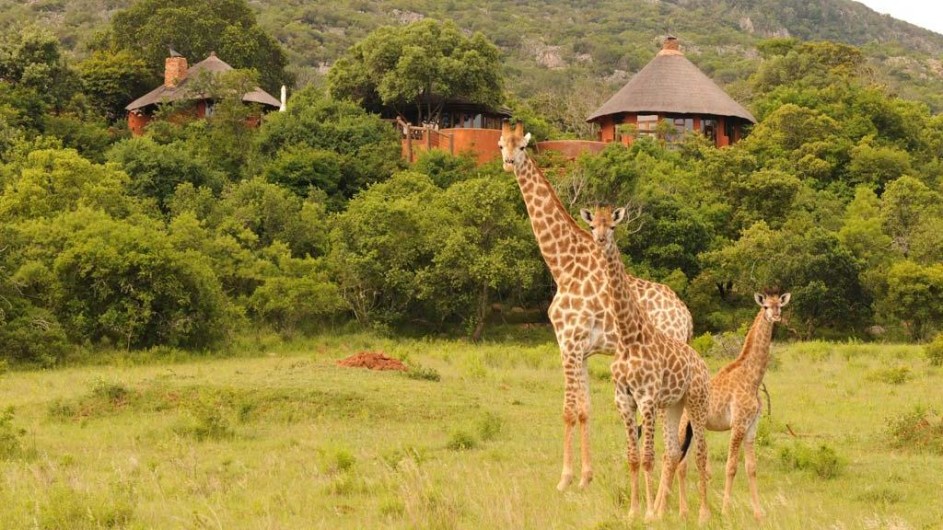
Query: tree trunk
(484, 309)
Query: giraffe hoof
(650, 516)
(759, 515)
(586, 479)
(704, 516)
(565, 481)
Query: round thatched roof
(670, 83)
(212, 65)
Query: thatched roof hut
(671, 87)
(177, 84)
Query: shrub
(934, 351)
(418, 371)
(11, 444)
(335, 460)
(461, 440)
(823, 461)
(703, 344)
(918, 430)
(489, 426)
(896, 375)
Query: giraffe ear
(618, 215)
(525, 141)
(586, 215)
(759, 299)
(784, 299)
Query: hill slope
(602, 41)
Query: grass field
(281, 437)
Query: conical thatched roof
(213, 65)
(671, 83)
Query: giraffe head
(603, 222)
(513, 144)
(772, 303)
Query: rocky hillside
(565, 43)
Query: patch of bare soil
(372, 361)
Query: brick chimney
(671, 46)
(175, 70)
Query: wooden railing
(423, 137)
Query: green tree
(52, 181)
(380, 246)
(908, 205)
(194, 28)
(915, 297)
(421, 65)
(807, 260)
(31, 58)
(485, 250)
(156, 170)
(120, 281)
(112, 79)
(368, 148)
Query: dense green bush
(934, 351)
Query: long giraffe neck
(755, 354)
(554, 228)
(634, 327)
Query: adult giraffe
(580, 311)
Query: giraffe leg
(569, 421)
(648, 455)
(698, 403)
(671, 419)
(587, 464)
(700, 442)
(627, 409)
(733, 459)
(750, 456)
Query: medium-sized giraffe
(652, 371)
(735, 397)
(580, 311)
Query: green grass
(280, 437)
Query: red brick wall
(571, 148)
(137, 122)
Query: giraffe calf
(652, 371)
(735, 403)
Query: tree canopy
(420, 65)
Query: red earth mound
(373, 361)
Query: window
(647, 124)
(709, 128)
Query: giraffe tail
(688, 435)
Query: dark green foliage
(122, 282)
(366, 149)
(445, 169)
(419, 66)
(112, 79)
(196, 28)
(157, 169)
